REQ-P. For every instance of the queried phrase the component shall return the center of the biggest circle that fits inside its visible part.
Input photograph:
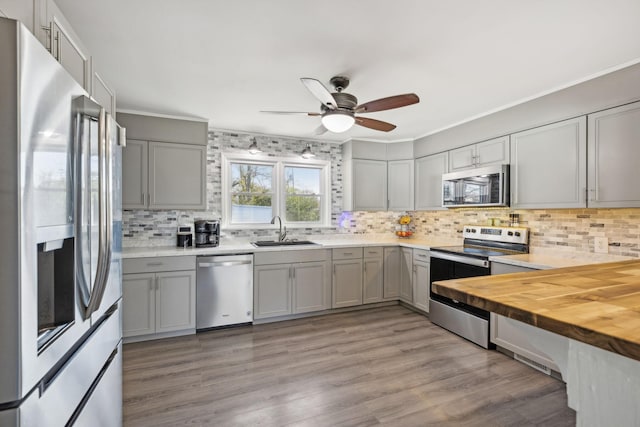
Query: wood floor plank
(385, 366)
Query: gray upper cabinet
(176, 174)
(548, 166)
(102, 93)
(400, 185)
(134, 174)
(163, 174)
(493, 151)
(369, 185)
(428, 181)
(68, 51)
(613, 153)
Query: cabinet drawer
(152, 265)
(373, 252)
(290, 256)
(347, 253)
(421, 255)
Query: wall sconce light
(253, 148)
(306, 153)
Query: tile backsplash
(569, 229)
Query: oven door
(446, 266)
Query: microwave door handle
(103, 186)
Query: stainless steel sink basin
(283, 243)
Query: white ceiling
(227, 60)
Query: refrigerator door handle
(104, 215)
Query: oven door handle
(461, 259)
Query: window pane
(248, 178)
(302, 208)
(254, 208)
(302, 180)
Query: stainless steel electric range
(471, 260)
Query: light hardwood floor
(385, 366)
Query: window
(302, 194)
(256, 190)
(251, 193)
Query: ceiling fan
(339, 109)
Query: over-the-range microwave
(487, 186)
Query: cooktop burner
(478, 252)
(484, 242)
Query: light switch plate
(601, 245)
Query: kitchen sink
(283, 243)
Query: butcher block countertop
(595, 304)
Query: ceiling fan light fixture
(253, 148)
(338, 121)
(306, 153)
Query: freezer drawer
(224, 290)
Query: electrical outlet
(601, 245)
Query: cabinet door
(175, 301)
(272, 290)
(462, 158)
(421, 279)
(138, 304)
(373, 280)
(69, 53)
(428, 187)
(103, 94)
(548, 166)
(177, 175)
(391, 273)
(406, 275)
(400, 185)
(614, 152)
(347, 283)
(134, 174)
(492, 152)
(311, 286)
(369, 185)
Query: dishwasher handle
(223, 264)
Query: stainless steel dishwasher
(224, 294)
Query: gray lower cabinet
(347, 283)
(158, 296)
(505, 335)
(373, 275)
(391, 285)
(613, 153)
(406, 275)
(272, 289)
(284, 288)
(421, 279)
(428, 181)
(548, 166)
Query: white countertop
(538, 258)
(232, 247)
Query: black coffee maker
(207, 233)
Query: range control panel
(497, 234)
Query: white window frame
(279, 196)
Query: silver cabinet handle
(334, 269)
(157, 283)
(153, 264)
(293, 269)
(347, 253)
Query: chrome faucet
(281, 235)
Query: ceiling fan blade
(375, 124)
(292, 112)
(320, 130)
(388, 103)
(319, 91)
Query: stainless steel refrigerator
(60, 254)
